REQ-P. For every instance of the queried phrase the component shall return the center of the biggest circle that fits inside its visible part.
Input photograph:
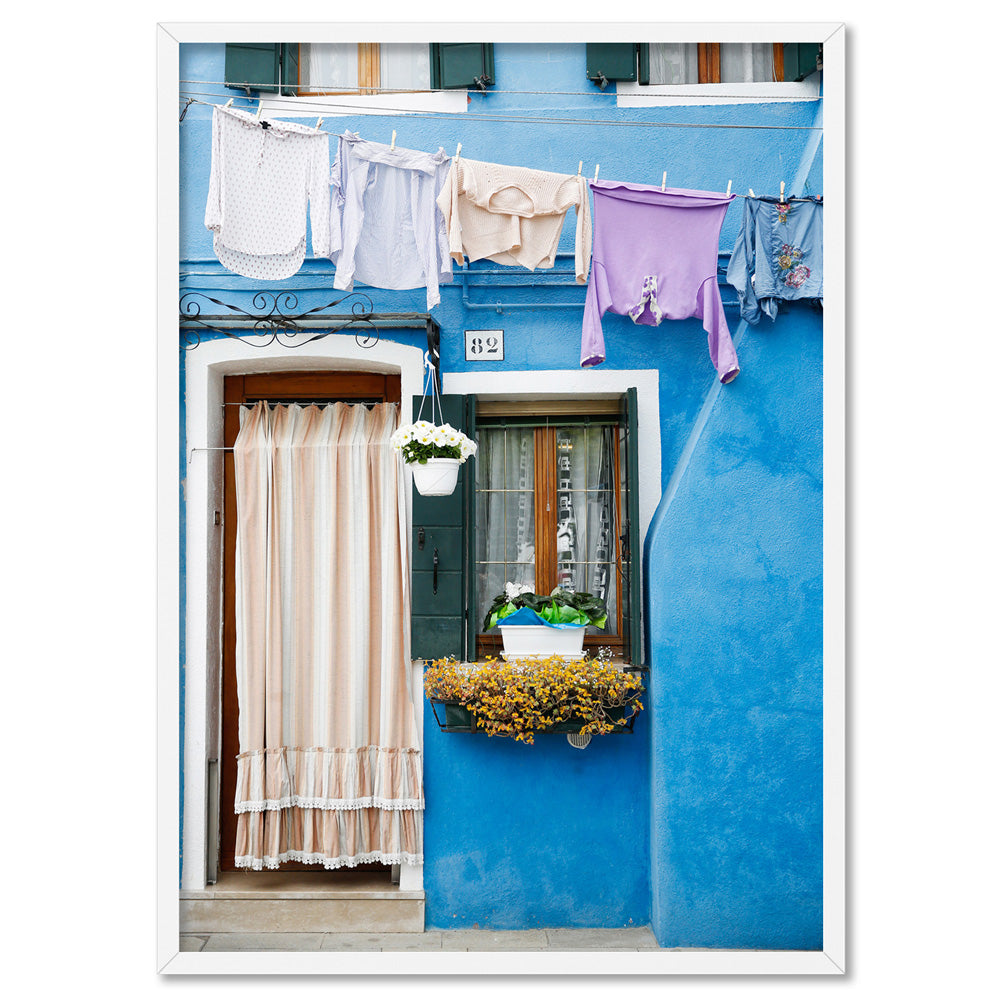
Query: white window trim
(644, 95)
(342, 105)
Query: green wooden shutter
(438, 619)
(630, 536)
(462, 64)
(290, 68)
(254, 65)
(612, 61)
(802, 59)
(471, 617)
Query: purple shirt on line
(656, 256)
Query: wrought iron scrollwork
(276, 320)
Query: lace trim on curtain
(329, 778)
(305, 857)
(371, 802)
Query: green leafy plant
(522, 697)
(561, 607)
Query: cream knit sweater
(513, 215)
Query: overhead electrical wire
(275, 107)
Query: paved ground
(554, 939)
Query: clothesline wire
(368, 91)
(527, 119)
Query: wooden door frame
(278, 387)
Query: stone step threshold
(304, 902)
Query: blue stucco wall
(735, 571)
(706, 823)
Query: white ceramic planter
(540, 640)
(437, 477)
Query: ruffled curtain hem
(329, 778)
(305, 857)
(302, 802)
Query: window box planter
(453, 717)
(520, 698)
(542, 640)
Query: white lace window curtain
(739, 62)
(673, 62)
(329, 769)
(584, 514)
(334, 66)
(505, 470)
(746, 62)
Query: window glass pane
(405, 66)
(329, 66)
(584, 513)
(490, 581)
(505, 511)
(746, 62)
(673, 62)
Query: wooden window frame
(546, 521)
(369, 72)
(710, 63)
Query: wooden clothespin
(260, 108)
(597, 170)
(663, 183)
(579, 169)
(228, 103)
(729, 188)
(752, 195)
(392, 145)
(319, 121)
(458, 152)
(782, 195)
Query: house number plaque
(484, 345)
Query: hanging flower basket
(436, 477)
(433, 452)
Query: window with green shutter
(551, 499)
(317, 68)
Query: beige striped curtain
(329, 771)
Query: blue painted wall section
(706, 823)
(735, 577)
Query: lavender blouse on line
(656, 257)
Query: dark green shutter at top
(440, 527)
(254, 65)
(616, 61)
(462, 64)
(261, 66)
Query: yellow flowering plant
(522, 697)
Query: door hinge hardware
(420, 538)
(218, 518)
(436, 571)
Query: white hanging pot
(436, 477)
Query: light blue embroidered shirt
(385, 227)
(778, 254)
